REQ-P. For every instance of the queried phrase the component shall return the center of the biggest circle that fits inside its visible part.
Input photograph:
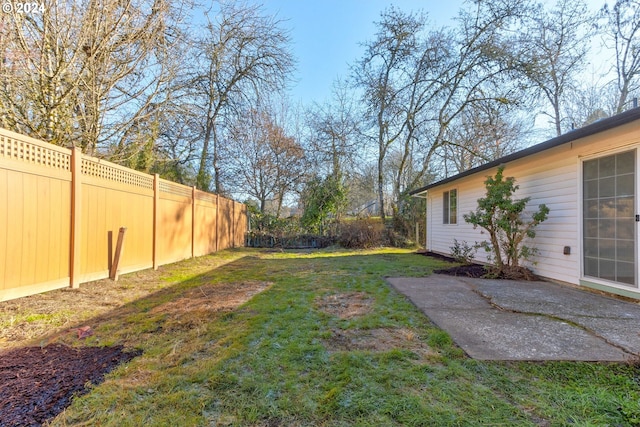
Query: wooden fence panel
(175, 222)
(240, 225)
(205, 218)
(112, 197)
(225, 223)
(57, 208)
(35, 196)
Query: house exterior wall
(552, 177)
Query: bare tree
(361, 186)
(334, 131)
(483, 133)
(264, 162)
(590, 102)
(622, 33)
(84, 73)
(130, 60)
(242, 55)
(556, 51)
(418, 83)
(382, 73)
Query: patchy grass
(316, 338)
(31, 320)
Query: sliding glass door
(609, 218)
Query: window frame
(449, 215)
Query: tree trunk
(216, 165)
(381, 187)
(622, 99)
(556, 113)
(493, 234)
(202, 181)
(280, 200)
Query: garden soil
(37, 383)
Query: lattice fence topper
(28, 152)
(110, 172)
(206, 197)
(177, 189)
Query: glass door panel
(609, 226)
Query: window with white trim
(450, 207)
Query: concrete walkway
(513, 320)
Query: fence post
(193, 221)
(156, 214)
(217, 220)
(76, 212)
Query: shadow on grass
(267, 359)
(187, 332)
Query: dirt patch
(36, 384)
(213, 298)
(348, 305)
(377, 340)
(345, 305)
(194, 310)
(24, 321)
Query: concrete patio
(514, 320)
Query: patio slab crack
(557, 318)
(499, 320)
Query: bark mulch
(478, 271)
(37, 383)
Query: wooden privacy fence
(58, 208)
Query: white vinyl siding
(551, 177)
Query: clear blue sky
(326, 35)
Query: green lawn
(288, 358)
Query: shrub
(399, 240)
(462, 252)
(323, 200)
(262, 223)
(361, 234)
(502, 217)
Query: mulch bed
(37, 383)
(480, 271)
